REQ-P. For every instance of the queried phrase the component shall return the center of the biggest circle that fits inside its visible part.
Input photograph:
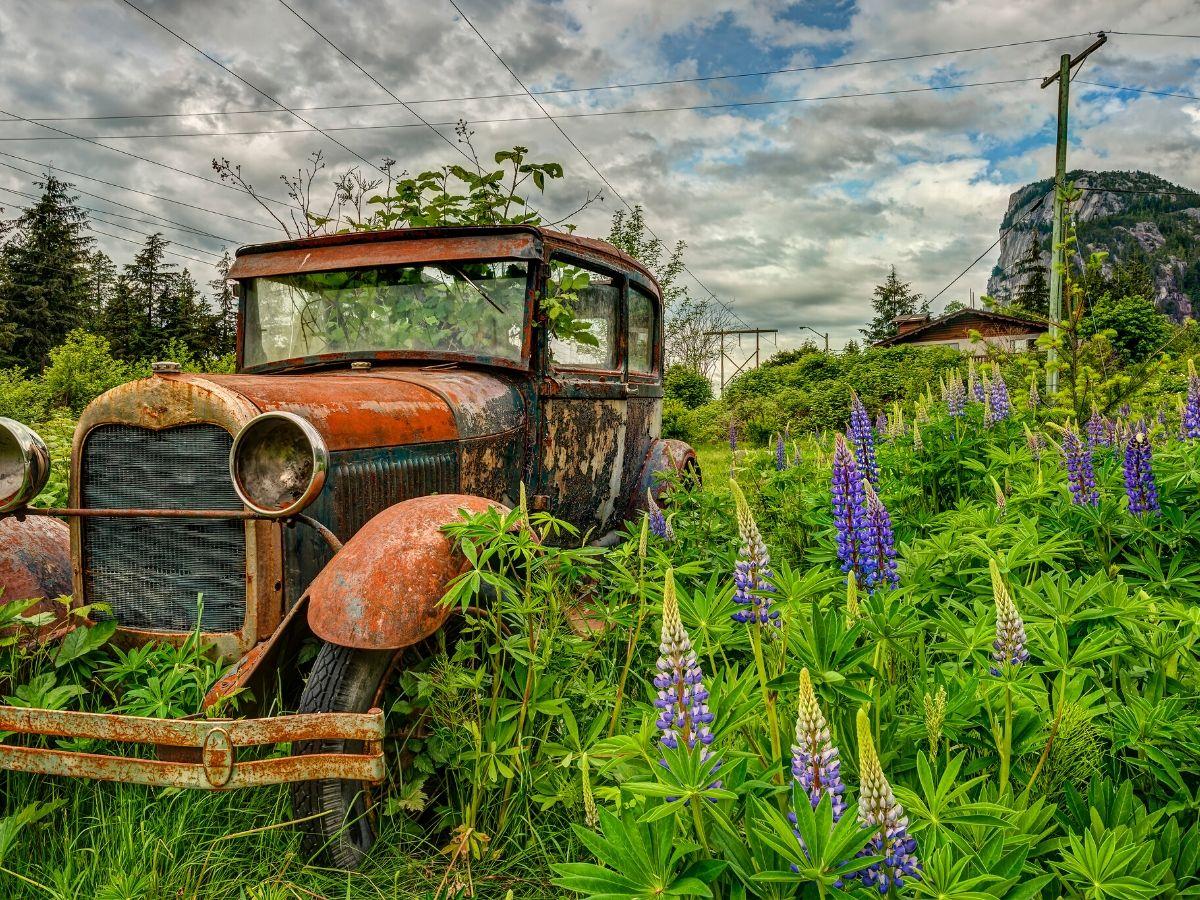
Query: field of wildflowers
(949, 652)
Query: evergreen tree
(44, 277)
(1033, 295)
(225, 309)
(184, 319)
(892, 299)
(132, 322)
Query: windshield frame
(344, 357)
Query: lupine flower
(1001, 500)
(590, 814)
(852, 610)
(956, 396)
(733, 436)
(1139, 476)
(882, 427)
(780, 452)
(918, 444)
(935, 716)
(1097, 430)
(849, 505)
(1190, 417)
(682, 698)
(1035, 443)
(878, 543)
(1081, 475)
(862, 439)
(752, 575)
(1162, 416)
(1009, 646)
(896, 422)
(816, 763)
(658, 520)
(1113, 429)
(879, 811)
(1035, 399)
(1125, 411)
(998, 406)
(973, 383)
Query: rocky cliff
(1132, 215)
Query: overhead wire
(555, 91)
(216, 62)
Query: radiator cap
(166, 367)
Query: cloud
(792, 212)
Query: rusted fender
(664, 455)
(35, 562)
(381, 591)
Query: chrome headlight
(24, 464)
(278, 464)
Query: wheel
(340, 827)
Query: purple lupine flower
(882, 427)
(1189, 428)
(1081, 475)
(733, 436)
(974, 383)
(816, 763)
(998, 404)
(1009, 646)
(863, 439)
(956, 396)
(1162, 416)
(881, 812)
(1125, 411)
(1035, 399)
(682, 699)
(1139, 476)
(849, 505)
(752, 574)
(1113, 430)
(878, 543)
(780, 452)
(1097, 431)
(658, 520)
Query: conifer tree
(891, 299)
(225, 309)
(44, 277)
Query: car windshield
(476, 308)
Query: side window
(640, 340)
(583, 308)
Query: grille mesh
(151, 571)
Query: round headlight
(24, 464)
(278, 464)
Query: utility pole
(746, 363)
(820, 334)
(1057, 257)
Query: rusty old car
(385, 383)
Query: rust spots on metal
(351, 412)
(666, 455)
(242, 672)
(582, 452)
(217, 743)
(35, 563)
(382, 590)
(483, 403)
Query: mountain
(1132, 215)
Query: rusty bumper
(213, 743)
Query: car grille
(151, 572)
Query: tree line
(53, 281)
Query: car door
(582, 396)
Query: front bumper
(201, 753)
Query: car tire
(337, 827)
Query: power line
(145, 159)
(99, 212)
(1121, 87)
(125, 187)
(1153, 34)
(155, 219)
(991, 246)
(556, 91)
(249, 84)
(378, 83)
(564, 115)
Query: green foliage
(687, 386)
(891, 299)
(82, 369)
(1135, 329)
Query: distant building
(954, 329)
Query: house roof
(1016, 323)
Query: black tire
(339, 830)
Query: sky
(791, 211)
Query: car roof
(553, 240)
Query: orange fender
(381, 591)
(35, 563)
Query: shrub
(82, 369)
(21, 397)
(687, 386)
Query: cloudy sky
(792, 211)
